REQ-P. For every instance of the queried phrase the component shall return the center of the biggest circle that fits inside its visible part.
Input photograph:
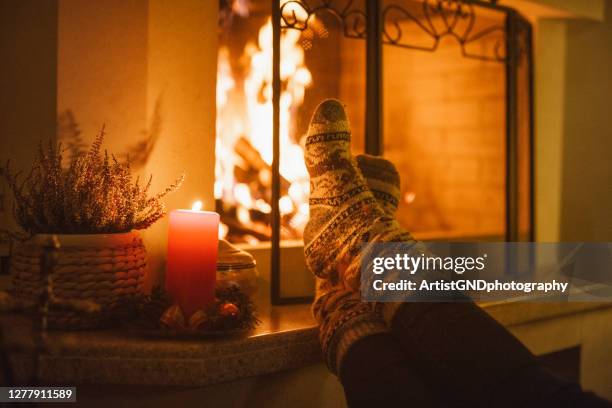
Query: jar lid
(232, 258)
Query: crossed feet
(352, 201)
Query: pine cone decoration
(153, 306)
(143, 311)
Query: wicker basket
(103, 268)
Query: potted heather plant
(95, 209)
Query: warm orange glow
(250, 117)
(222, 230)
(409, 197)
(242, 194)
(285, 205)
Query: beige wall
(549, 111)
(28, 63)
(573, 132)
(533, 9)
(102, 68)
(144, 68)
(593, 9)
(586, 212)
(182, 67)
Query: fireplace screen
(442, 88)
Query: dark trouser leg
(459, 351)
(376, 373)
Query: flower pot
(102, 268)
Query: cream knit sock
(383, 180)
(343, 215)
(337, 306)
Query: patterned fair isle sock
(343, 210)
(343, 215)
(383, 179)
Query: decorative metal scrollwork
(296, 14)
(441, 18)
(437, 19)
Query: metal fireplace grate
(376, 24)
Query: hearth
(443, 88)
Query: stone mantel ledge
(286, 339)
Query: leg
(459, 350)
(455, 348)
(388, 381)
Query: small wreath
(233, 312)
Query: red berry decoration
(229, 309)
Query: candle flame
(197, 206)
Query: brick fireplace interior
(444, 127)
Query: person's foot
(342, 208)
(344, 213)
(382, 179)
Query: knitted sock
(343, 215)
(343, 319)
(343, 210)
(336, 306)
(383, 180)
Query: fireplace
(440, 87)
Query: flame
(197, 206)
(285, 205)
(243, 215)
(263, 206)
(244, 109)
(242, 193)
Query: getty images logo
(414, 264)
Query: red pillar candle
(192, 258)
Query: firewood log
(253, 159)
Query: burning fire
(244, 139)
